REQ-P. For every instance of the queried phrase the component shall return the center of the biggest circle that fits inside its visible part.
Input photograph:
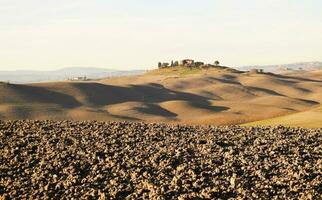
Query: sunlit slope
(308, 119)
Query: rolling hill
(217, 96)
(309, 119)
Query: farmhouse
(187, 62)
(256, 71)
(80, 78)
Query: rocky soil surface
(97, 160)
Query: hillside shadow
(42, 95)
(264, 90)
(224, 80)
(295, 78)
(153, 109)
(150, 94)
(311, 102)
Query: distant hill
(31, 76)
(307, 66)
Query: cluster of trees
(185, 63)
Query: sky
(136, 34)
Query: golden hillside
(214, 96)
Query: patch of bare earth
(97, 160)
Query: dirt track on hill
(92, 160)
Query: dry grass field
(309, 119)
(218, 96)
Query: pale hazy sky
(131, 34)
